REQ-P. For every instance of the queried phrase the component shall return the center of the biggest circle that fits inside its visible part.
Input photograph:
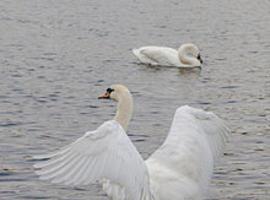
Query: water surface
(56, 57)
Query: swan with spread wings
(179, 169)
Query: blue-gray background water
(56, 57)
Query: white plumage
(180, 169)
(182, 166)
(106, 155)
(187, 56)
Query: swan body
(188, 55)
(179, 170)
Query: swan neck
(124, 110)
(185, 58)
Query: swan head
(115, 92)
(120, 94)
(199, 58)
(190, 54)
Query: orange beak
(106, 95)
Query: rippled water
(56, 57)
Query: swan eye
(110, 90)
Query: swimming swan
(188, 55)
(180, 169)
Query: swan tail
(136, 52)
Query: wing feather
(106, 155)
(157, 55)
(215, 129)
(195, 141)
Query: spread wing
(195, 141)
(106, 155)
(207, 124)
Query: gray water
(56, 57)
